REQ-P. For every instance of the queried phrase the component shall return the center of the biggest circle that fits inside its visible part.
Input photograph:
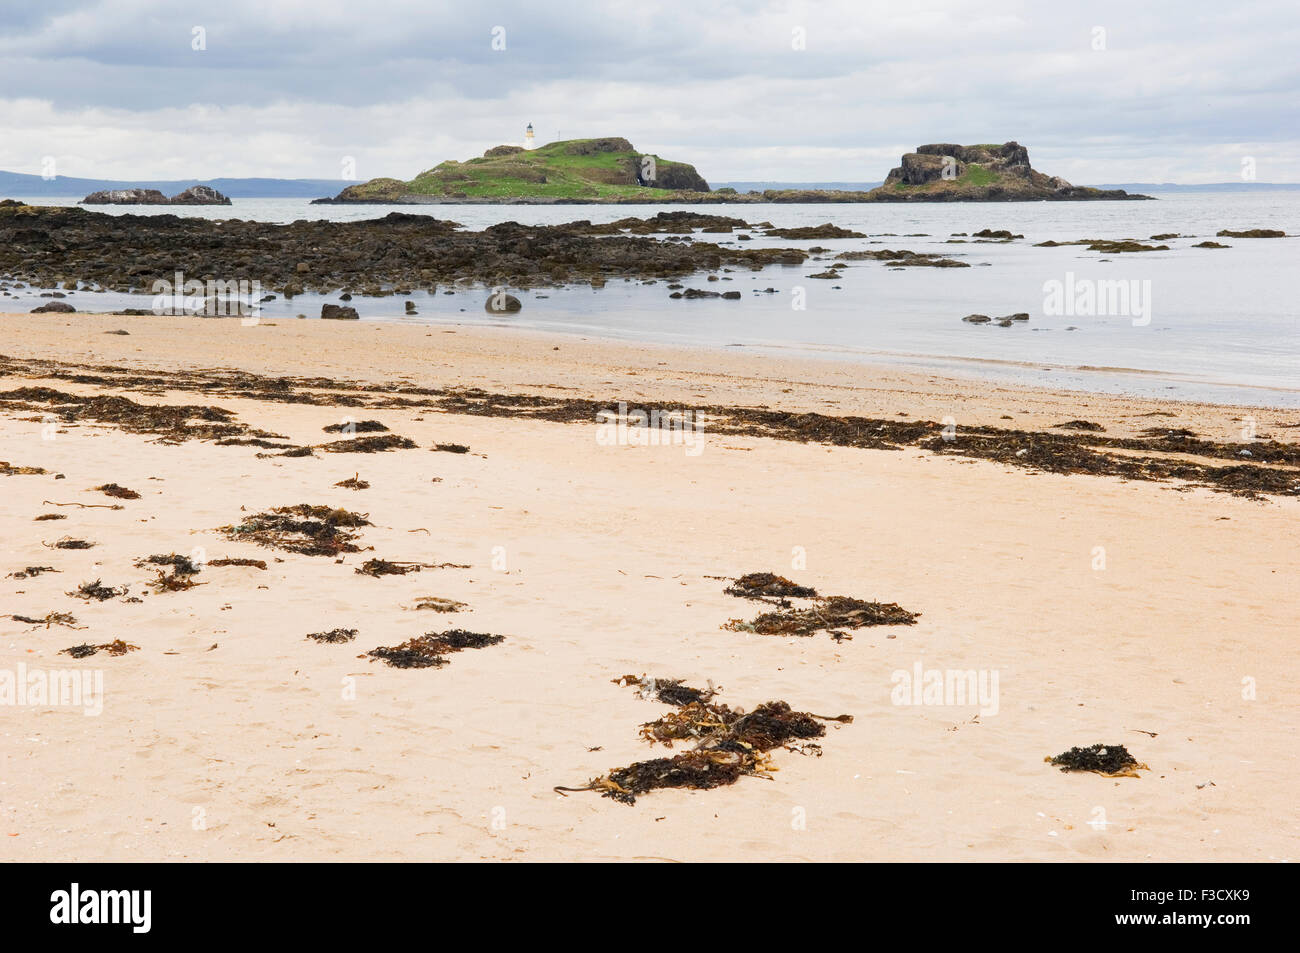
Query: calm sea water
(1223, 324)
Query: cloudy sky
(800, 91)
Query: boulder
(337, 312)
(60, 307)
(501, 303)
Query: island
(610, 171)
(945, 172)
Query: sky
(1099, 92)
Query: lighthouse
(528, 137)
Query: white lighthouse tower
(528, 137)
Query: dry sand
(228, 736)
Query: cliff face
(946, 172)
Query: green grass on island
(582, 169)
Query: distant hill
(572, 170)
(34, 186)
(1211, 187)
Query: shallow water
(1223, 324)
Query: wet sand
(229, 735)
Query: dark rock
(337, 312)
(501, 303)
(814, 231)
(195, 195)
(977, 319)
(126, 197)
(1251, 233)
(127, 253)
(60, 307)
(200, 195)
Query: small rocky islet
(194, 195)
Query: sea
(1194, 324)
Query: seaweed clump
(256, 563)
(383, 567)
(1111, 761)
(670, 691)
(389, 441)
(100, 593)
(51, 618)
(333, 636)
(428, 650)
(438, 604)
(730, 744)
(116, 647)
(305, 529)
(8, 469)
(31, 571)
(354, 482)
(181, 565)
(118, 492)
(357, 426)
(830, 613)
(176, 582)
(757, 585)
(69, 542)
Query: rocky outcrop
(678, 177)
(947, 172)
(194, 195)
(1251, 233)
(199, 195)
(126, 197)
(393, 255)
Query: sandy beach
(1142, 612)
